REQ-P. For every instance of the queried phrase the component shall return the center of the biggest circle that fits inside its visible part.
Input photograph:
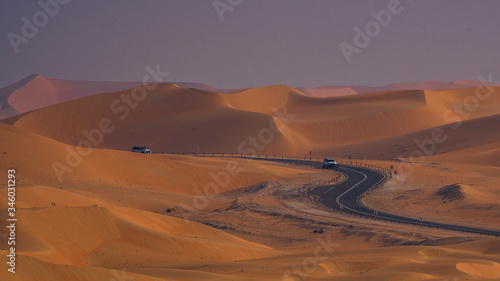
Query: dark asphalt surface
(350, 192)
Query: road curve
(350, 192)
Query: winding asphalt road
(350, 192)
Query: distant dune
(333, 91)
(103, 216)
(172, 118)
(113, 214)
(6, 110)
(104, 166)
(36, 91)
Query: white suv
(329, 163)
(141, 149)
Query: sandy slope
(98, 171)
(470, 261)
(280, 118)
(211, 123)
(116, 237)
(40, 91)
(6, 110)
(78, 226)
(108, 212)
(36, 91)
(333, 91)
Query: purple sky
(259, 42)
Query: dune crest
(172, 118)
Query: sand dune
(394, 263)
(363, 264)
(333, 91)
(74, 229)
(36, 91)
(40, 91)
(400, 263)
(106, 170)
(34, 269)
(112, 237)
(171, 118)
(453, 138)
(481, 155)
(328, 91)
(6, 110)
(483, 270)
(211, 124)
(109, 211)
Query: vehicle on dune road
(141, 149)
(329, 163)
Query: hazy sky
(251, 42)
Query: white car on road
(141, 149)
(329, 163)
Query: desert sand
(117, 215)
(36, 91)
